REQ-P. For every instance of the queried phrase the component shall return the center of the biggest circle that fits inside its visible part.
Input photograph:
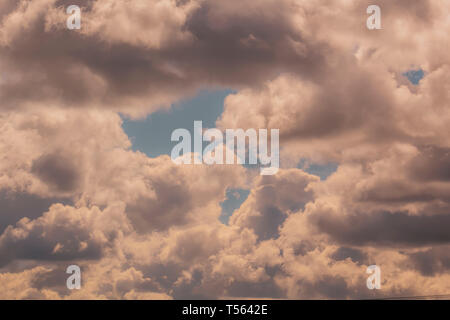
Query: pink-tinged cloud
(73, 191)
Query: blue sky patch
(152, 134)
(414, 76)
(235, 197)
(321, 170)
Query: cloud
(64, 233)
(59, 172)
(146, 228)
(272, 199)
(432, 261)
(163, 56)
(387, 228)
(17, 285)
(15, 206)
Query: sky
(150, 135)
(86, 177)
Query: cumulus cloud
(271, 200)
(72, 191)
(64, 233)
(163, 56)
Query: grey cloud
(15, 206)
(266, 224)
(63, 233)
(260, 289)
(385, 228)
(235, 44)
(354, 254)
(273, 199)
(168, 208)
(192, 289)
(38, 247)
(77, 69)
(303, 247)
(7, 6)
(395, 191)
(55, 279)
(326, 286)
(58, 171)
(432, 261)
(432, 164)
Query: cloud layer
(72, 191)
